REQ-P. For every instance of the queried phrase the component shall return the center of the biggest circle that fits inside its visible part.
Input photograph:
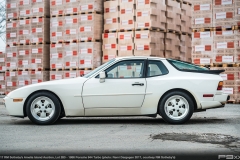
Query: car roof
(140, 57)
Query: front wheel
(43, 108)
(176, 107)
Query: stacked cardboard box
(146, 28)
(76, 28)
(215, 23)
(202, 43)
(57, 75)
(27, 41)
(2, 73)
(202, 14)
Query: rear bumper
(219, 101)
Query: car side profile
(126, 86)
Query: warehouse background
(59, 39)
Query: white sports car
(130, 86)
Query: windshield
(180, 65)
(97, 69)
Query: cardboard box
(39, 76)
(11, 59)
(12, 9)
(91, 6)
(40, 8)
(40, 57)
(40, 30)
(125, 50)
(12, 33)
(57, 53)
(73, 7)
(126, 37)
(24, 7)
(71, 28)
(56, 75)
(57, 7)
(111, 9)
(90, 54)
(111, 24)
(90, 27)
(110, 38)
(11, 81)
(57, 29)
(172, 46)
(24, 31)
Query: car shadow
(120, 120)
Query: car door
(124, 87)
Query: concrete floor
(207, 134)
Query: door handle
(138, 84)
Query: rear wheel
(43, 108)
(176, 107)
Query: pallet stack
(76, 27)
(147, 28)
(216, 40)
(2, 73)
(27, 51)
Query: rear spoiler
(204, 71)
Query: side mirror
(102, 77)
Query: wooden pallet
(59, 15)
(71, 69)
(23, 18)
(126, 30)
(40, 17)
(173, 31)
(11, 70)
(72, 41)
(91, 40)
(112, 31)
(224, 65)
(59, 42)
(202, 29)
(12, 19)
(151, 29)
(223, 28)
(72, 14)
(233, 102)
(91, 12)
(40, 43)
(86, 69)
(187, 3)
(57, 69)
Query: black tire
(187, 114)
(55, 104)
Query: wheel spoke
(182, 110)
(46, 104)
(39, 104)
(43, 115)
(169, 108)
(175, 114)
(49, 110)
(37, 110)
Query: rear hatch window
(189, 67)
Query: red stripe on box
(196, 61)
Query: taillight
(220, 86)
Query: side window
(126, 69)
(156, 68)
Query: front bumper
(219, 101)
(14, 108)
